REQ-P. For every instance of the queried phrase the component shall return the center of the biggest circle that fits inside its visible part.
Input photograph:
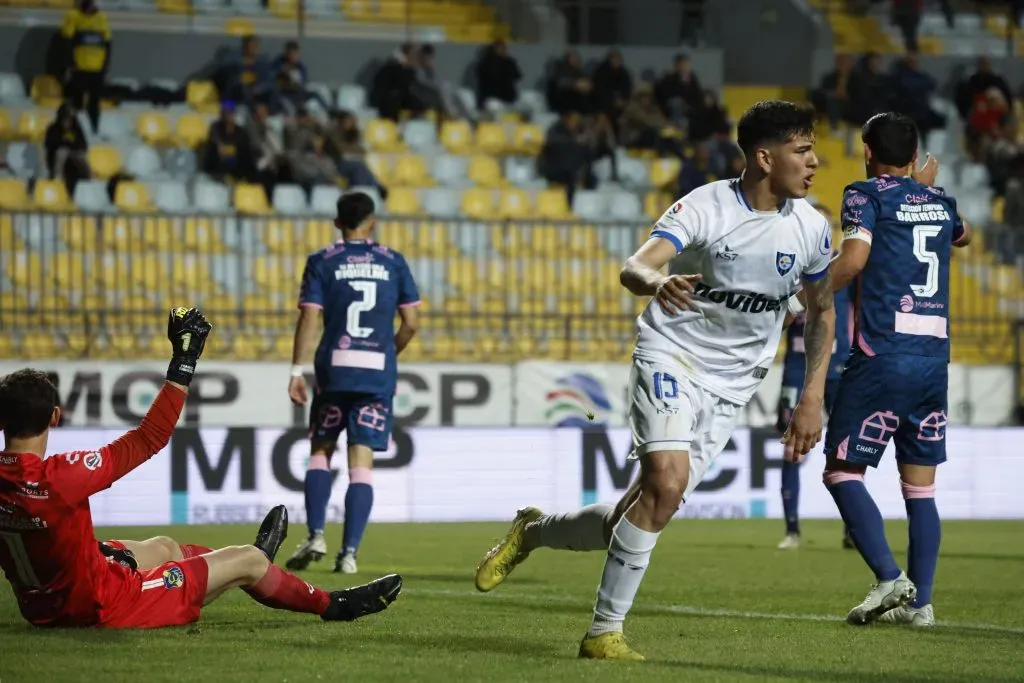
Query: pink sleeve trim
(410, 304)
(309, 304)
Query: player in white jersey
(704, 343)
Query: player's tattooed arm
(819, 332)
(642, 276)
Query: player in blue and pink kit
(898, 236)
(359, 286)
(794, 366)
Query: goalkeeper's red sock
(280, 590)
(192, 550)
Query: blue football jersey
(360, 286)
(794, 364)
(901, 298)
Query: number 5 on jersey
(357, 308)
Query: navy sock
(866, 527)
(318, 494)
(358, 502)
(925, 531)
(791, 496)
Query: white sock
(581, 529)
(624, 569)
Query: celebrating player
(359, 286)
(705, 343)
(792, 380)
(48, 550)
(898, 234)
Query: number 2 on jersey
(928, 257)
(22, 565)
(357, 308)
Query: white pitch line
(688, 610)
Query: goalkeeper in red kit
(60, 573)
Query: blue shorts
(896, 396)
(791, 394)
(366, 417)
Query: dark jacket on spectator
(70, 137)
(391, 91)
(870, 93)
(671, 87)
(612, 85)
(913, 89)
(497, 77)
(564, 152)
(228, 151)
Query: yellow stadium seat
(251, 199)
(285, 9)
(457, 137)
(190, 277)
(270, 273)
(13, 195)
(664, 172)
(529, 138)
(147, 272)
(491, 139)
(51, 195)
(155, 346)
(67, 271)
(121, 345)
(239, 26)
(38, 345)
(191, 131)
(175, 6)
(80, 234)
(655, 204)
(46, 92)
(132, 197)
(432, 240)
(281, 350)
(158, 234)
(403, 201)
(485, 171)
(6, 130)
(25, 270)
(478, 203)
(245, 347)
(584, 241)
(153, 128)
(412, 171)
(7, 347)
(202, 96)
(395, 234)
(202, 236)
(104, 161)
(32, 125)
(381, 135)
(319, 234)
(542, 240)
(279, 236)
(553, 204)
(381, 167)
(514, 204)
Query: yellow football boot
(608, 646)
(500, 560)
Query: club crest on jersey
(92, 460)
(174, 577)
(676, 208)
(784, 262)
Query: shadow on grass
(836, 549)
(893, 676)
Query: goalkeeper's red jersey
(48, 549)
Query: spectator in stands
(693, 21)
(695, 170)
(66, 149)
(831, 98)
(1002, 153)
(345, 148)
(725, 158)
(392, 89)
(987, 113)
(304, 143)
(708, 118)
(984, 77)
(869, 89)
(291, 78)
(228, 155)
(1013, 209)
(570, 88)
(432, 91)
(248, 78)
(679, 91)
(87, 30)
(644, 126)
(267, 148)
(497, 76)
(913, 90)
(565, 158)
(906, 15)
(613, 86)
(599, 136)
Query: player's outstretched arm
(642, 276)
(306, 330)
(77, 476)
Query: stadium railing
(80, 285)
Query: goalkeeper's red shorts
(169, 595)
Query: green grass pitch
(719, 603)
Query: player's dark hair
(773, 122)
(353, 209)
(27, 400)
(892, 138)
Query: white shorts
(669, 412)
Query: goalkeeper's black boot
(272, 532)
(352, 603)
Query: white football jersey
(751, 263)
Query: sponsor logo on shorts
(92, 460)
(173, 577)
